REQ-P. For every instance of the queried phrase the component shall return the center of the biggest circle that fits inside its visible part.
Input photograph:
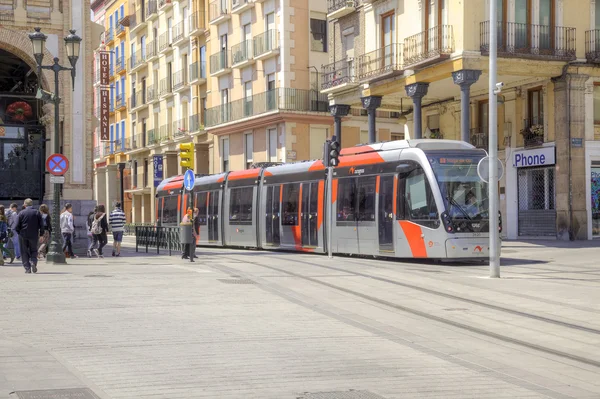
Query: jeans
(99, 240)
(68, 245)
(16, 246)
(29, 251)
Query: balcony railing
(527, 40)
(164, 3)
(179, 79)
(428, 45)
(219, 61)
(194, 123)
(180, 127)
(151, 93)
(197, 71)
(281, 99)
(164, 41)
(197, 21)
(335, 5)
(109, 36)
(137, 59)
(338, 73)
(166, 86)
(151, 8)
(241, 52)
(137, 100)
(533, 132)
(592, 45)
(165, 133)
(265, 42)
(479, 137)
(178, 31)
(380, 62)
(120, 101)
(120, 65)
(120, 29)
(152, 137)
(217, 9)
(151, 49)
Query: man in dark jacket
(30, 228)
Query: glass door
(213, 216)
(546, 26)
(272, 215)
(309, 214)
(522, 30)
(387, 40)
(386, 215)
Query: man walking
(30, 228)
(67, 229)
(117, 225)
(13, 219)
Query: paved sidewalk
(255, 324)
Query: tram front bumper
(462, 248)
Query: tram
(403, 199)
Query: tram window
(291, 193)
(169, 211)
(346, 200)
(201, 199)
(415, 199)
(366, 198)
(240, 205)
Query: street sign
(57, 164)
(157, 161)
(57, 179)
(188, 180)
(483, 169)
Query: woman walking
(99, 230)
(4, 252)
(45, 239)
(88, 223)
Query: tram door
(385, 218)
(213, 216)
(310, 204)
(272, 215)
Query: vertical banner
(104, 68)
(104, 115)
(158, 169)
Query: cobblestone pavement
(256, 324)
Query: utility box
(185, 233)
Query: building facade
(428, 60)
(26, 124)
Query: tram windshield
(465, 194)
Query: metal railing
(195, 123)
(151, 8)
(514, 39)
(109, 35)
(179, 31)
(179, 79)
(129, 228)
(334, 5)
(120, 29)
(165, 133)
(533, 132)
(265, 42)
(380, 62)
(337, 73)
(97, 152)
(137, 59)
(180, 127)
(164, 41)
(239, 3)
(163, 3)
(592, 45)
(219, 61)
(153, 137)
(150, 49)
(151, 93)
(217, 9)
(434, 42)
(120, 101)
(241, 52)
(280, 99)
(136, 181)
(197, 21)
(120, 64)
(137, 141)
(197, 71)
(151, 237)
(479, 137)
(166, 86)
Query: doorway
(386, 215)
(213, 216)
(272, 215)
(309, 214)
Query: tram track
(439, 319)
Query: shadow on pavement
(539, 244)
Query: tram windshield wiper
(454, 203)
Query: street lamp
(73, 45)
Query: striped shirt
(117, 220)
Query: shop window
(346, 200)
(200, 202)
(240, 205)
(366, 198)
(415, 199)
(291, 193)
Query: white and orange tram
(403, 199)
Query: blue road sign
(188, 180)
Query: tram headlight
(448, 225)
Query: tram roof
(424, 144)
(170, 183)
(297, 167)
(209, 179)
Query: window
(240, 205)
(597, 15)
(415, 199)
(123, 135)
(117, 135)
(318, 31)
(203, 105)
(225, 155)
(122, 11)
(271, 94)
(112, 138)
(388, 38)
(203, 62)
(170, 29)
(366, 198)
(169, 211)
(289, 202)
(200, 202)
(346, 200)
(272, 141)
(536, 107)
(597, 101)
(123, 54)
(248, 98)
(249, 149)
(142, 47)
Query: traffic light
(186, 152)
(334, 152)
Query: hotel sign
(104, 68)
(104, 115)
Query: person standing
(13, 218)
(117, 225)
(88, 224)
(29, 227)
(99, 230)
(67, 229)
(4, 238)
(45, 239)
(188, 218)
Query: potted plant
(533, 135)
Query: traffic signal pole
(330, 160)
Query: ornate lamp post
(72, 45)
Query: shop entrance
(537, 210)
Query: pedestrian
(30, 228)
(67, 229)
(45, 239)
(4, 230)
(13, 218)
(187, 219)
(99, 230)
(88, 223)
(117, 225)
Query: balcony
(137, 142)
(120, 102)
(180, 128)
(137, 102)
(151, 10)
(151, 52)
(340, 8)
(198, 72)
(530, 41)
(109, 36)
(152, 137)
(218, 12)
(195, 125)
(197, 24)
(165, 42)
(166, 87)
(137, 61)
(180, 80)
(151, 95)
(592, 46)
(266, 45)
(164, 5)
(281, 99)
(219, 64)
(533, 132)
(381, 63)
(338, 76)
(428, 47)
(242, 55)
(239, 6)
(120, 30)
(120, 65)
(165, 133)
(479, 137)
(179, 36)
(137, 22)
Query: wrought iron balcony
(137, 59)
(137, 181)
(180, 128)
(380, 63)
(530, 41)
(266, 45)
(479, 137)
(197, 23)
(179, 79)
(151, 50)
(219, 63)
(152, 137)
(241, 53)
(339, 73)
(165, 41)
(109, 35)
(151, 9)
(120, 29)
(166, 87)
(428, 46)
(165, 133)
(179, 32)
(120, 65)
(280, 99)
(533, 132)
(195, 124)
(164, 4)
(120, 102)
(592, 46)
(340, 8)
(137, 100)
(218, 11)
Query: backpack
(97, 226)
